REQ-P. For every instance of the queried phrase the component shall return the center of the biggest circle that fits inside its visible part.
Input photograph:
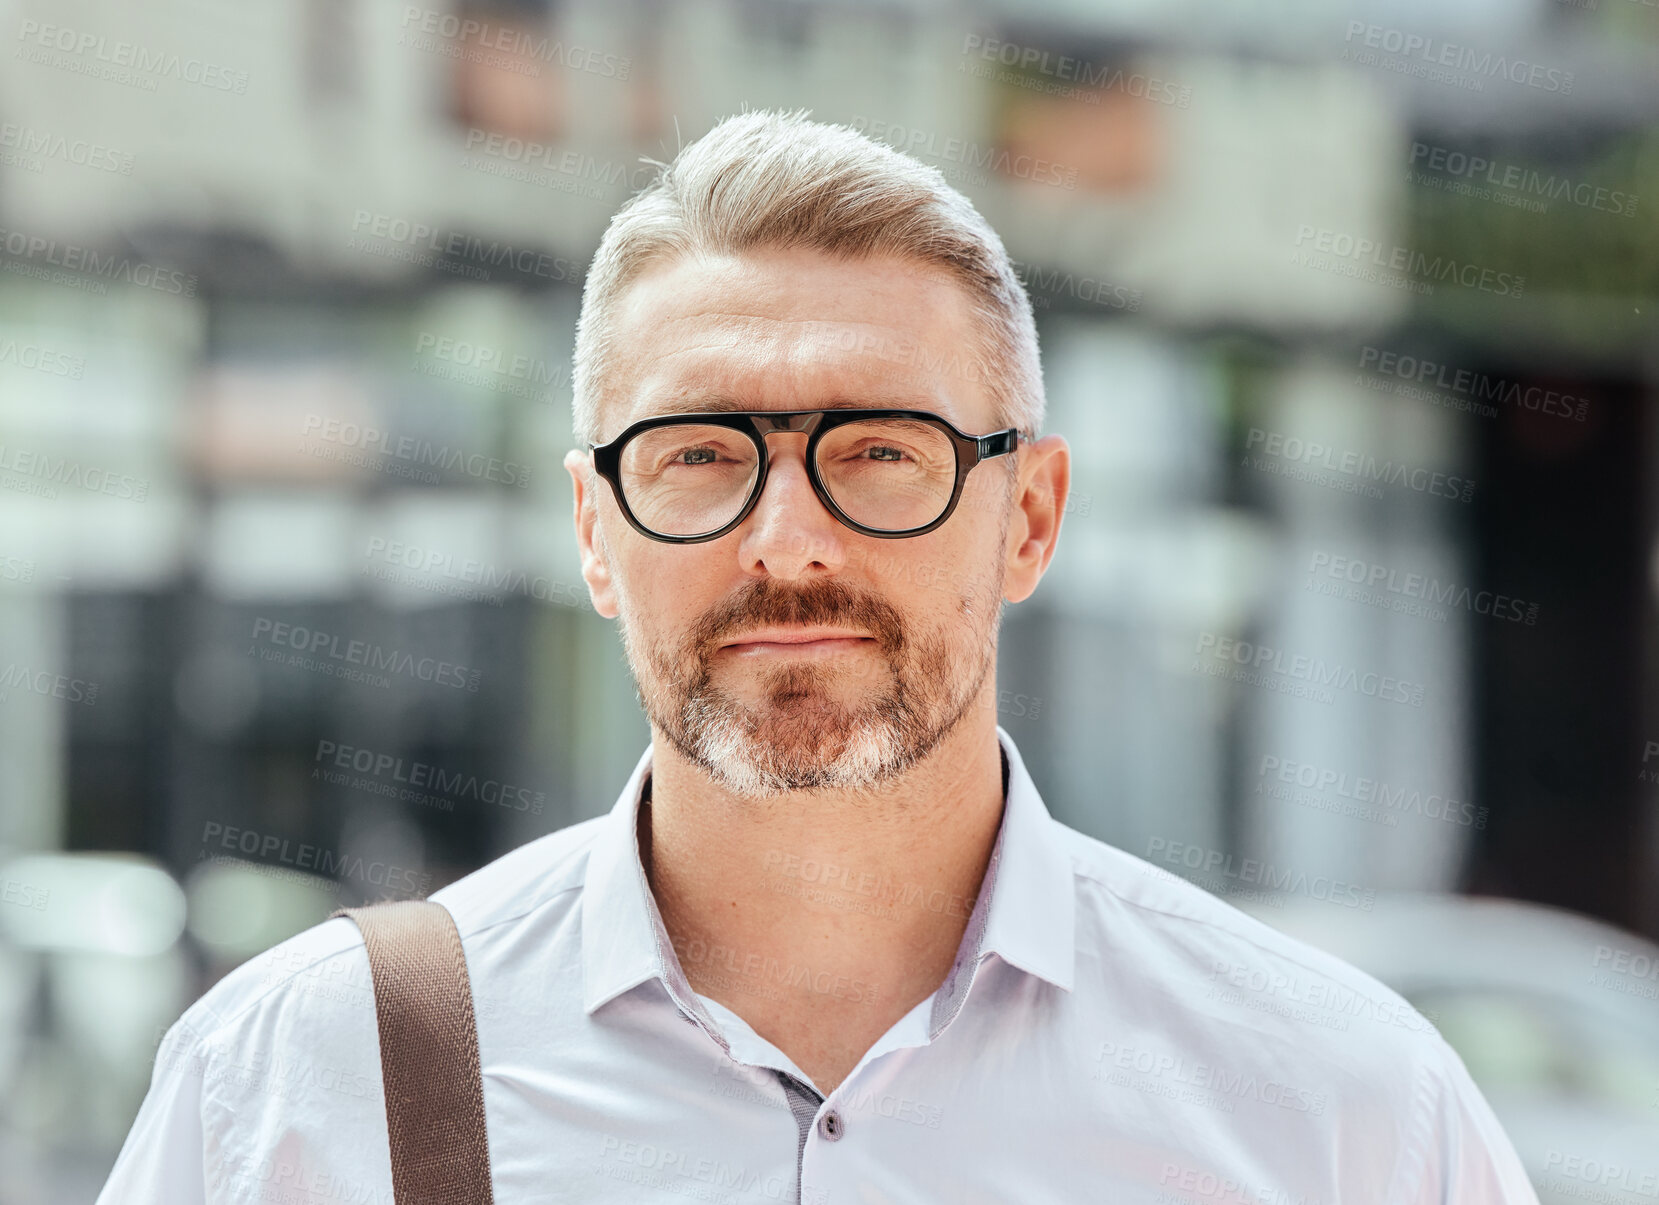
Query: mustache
(765, 602)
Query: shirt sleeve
(162, 1159)
(1466, 1157)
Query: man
(828, 946)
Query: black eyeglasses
(686, 478)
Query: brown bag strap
(428, 1053)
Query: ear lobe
(597, 574)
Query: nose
(790, 534)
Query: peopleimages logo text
(1257, 873)
(927, 144)
(491, 361)
(1367, 791)
(117, 53)
(1313, 670)
(30, 142)
(42, 475)
(1429, 589)
(41, 358)
(1608, 1177)
(1360, 465)
(75, 258)
(417, 452)
(313, 643)
(1224, 1081)
(1043, 283)
(1528, 181)
(1091, 76)
(489, 35)
(1476, 385)
(313, 859)
(1411, 263)
(421, 774)
(1433, 52)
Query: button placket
(804, 1103)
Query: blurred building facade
(1346, 316)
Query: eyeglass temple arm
(999, 444)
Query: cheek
(666, 587)
(966, 568)
(942, 593)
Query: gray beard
(798, 738)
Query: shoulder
(1216, 968)
(536, 875)
(324, 968)
(1230, 1012)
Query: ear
(596, 570)
(1034, 525)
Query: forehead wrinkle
(691, 402)
(742, 329)
(804, 366)
(794, 355)
(724, 360)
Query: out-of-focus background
(1348, 313)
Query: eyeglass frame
(970, 450)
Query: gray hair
(780, 181)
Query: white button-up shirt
(1108, 1033)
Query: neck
(824, 911)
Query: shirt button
(831, 1126)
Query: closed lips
(796, 636)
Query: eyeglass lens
(688, 479)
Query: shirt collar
(1032, 919)
(1025, 911)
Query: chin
(784, 749)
